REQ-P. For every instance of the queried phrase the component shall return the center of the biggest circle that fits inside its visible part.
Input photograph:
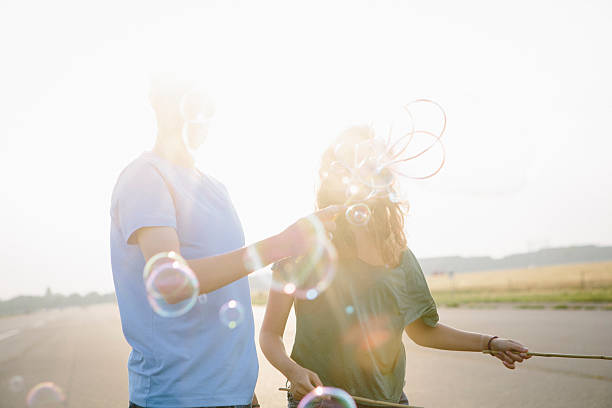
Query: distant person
(162, 202)
(350, 336)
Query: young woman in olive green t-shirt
(350, 336)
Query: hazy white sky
(526, 86)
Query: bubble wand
(371, 401)
(589, 356)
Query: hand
(171, 284)
(302, 382)
(328, 216)
(510, 351)
(303, 234)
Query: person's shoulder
(143, 164)
(408, 257)
(141, 168)
(215, 182)
(410, 264)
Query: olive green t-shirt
(351, 334)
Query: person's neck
(366, 248)
(172, 149)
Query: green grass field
(573, 286)
(577, 286)
(473, 296)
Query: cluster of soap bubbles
(327, 397)
(172, 287)
(308, 275)
(371, 168)
(197, 109)
(45, 394)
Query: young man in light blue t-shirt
(162, 202)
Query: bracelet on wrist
(489, 342)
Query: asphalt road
(82, 350)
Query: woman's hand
(328, 216)
(510, 351)
(299, 238)
(302, 382)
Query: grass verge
(526, 298)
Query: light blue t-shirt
(193, 360)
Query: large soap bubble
(46, 395)
(160, 259)
(327, 397)
(307, 276)
(172, 287)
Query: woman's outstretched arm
(271, 343)
(217, 271)
(448, 338)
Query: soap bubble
(353, 190)
(46, 395)
(358, 214)
(231, 314)
(172, 287)
(373, 150)
(159, 259)
(374, 174)
(307, 276)
(16, 383)
(327, 397)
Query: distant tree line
(28, 304)
(542, 257)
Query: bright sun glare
(285, 81)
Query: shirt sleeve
(143, 200)
(416, 301)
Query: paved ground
(83, 351)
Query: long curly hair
(386, 224)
